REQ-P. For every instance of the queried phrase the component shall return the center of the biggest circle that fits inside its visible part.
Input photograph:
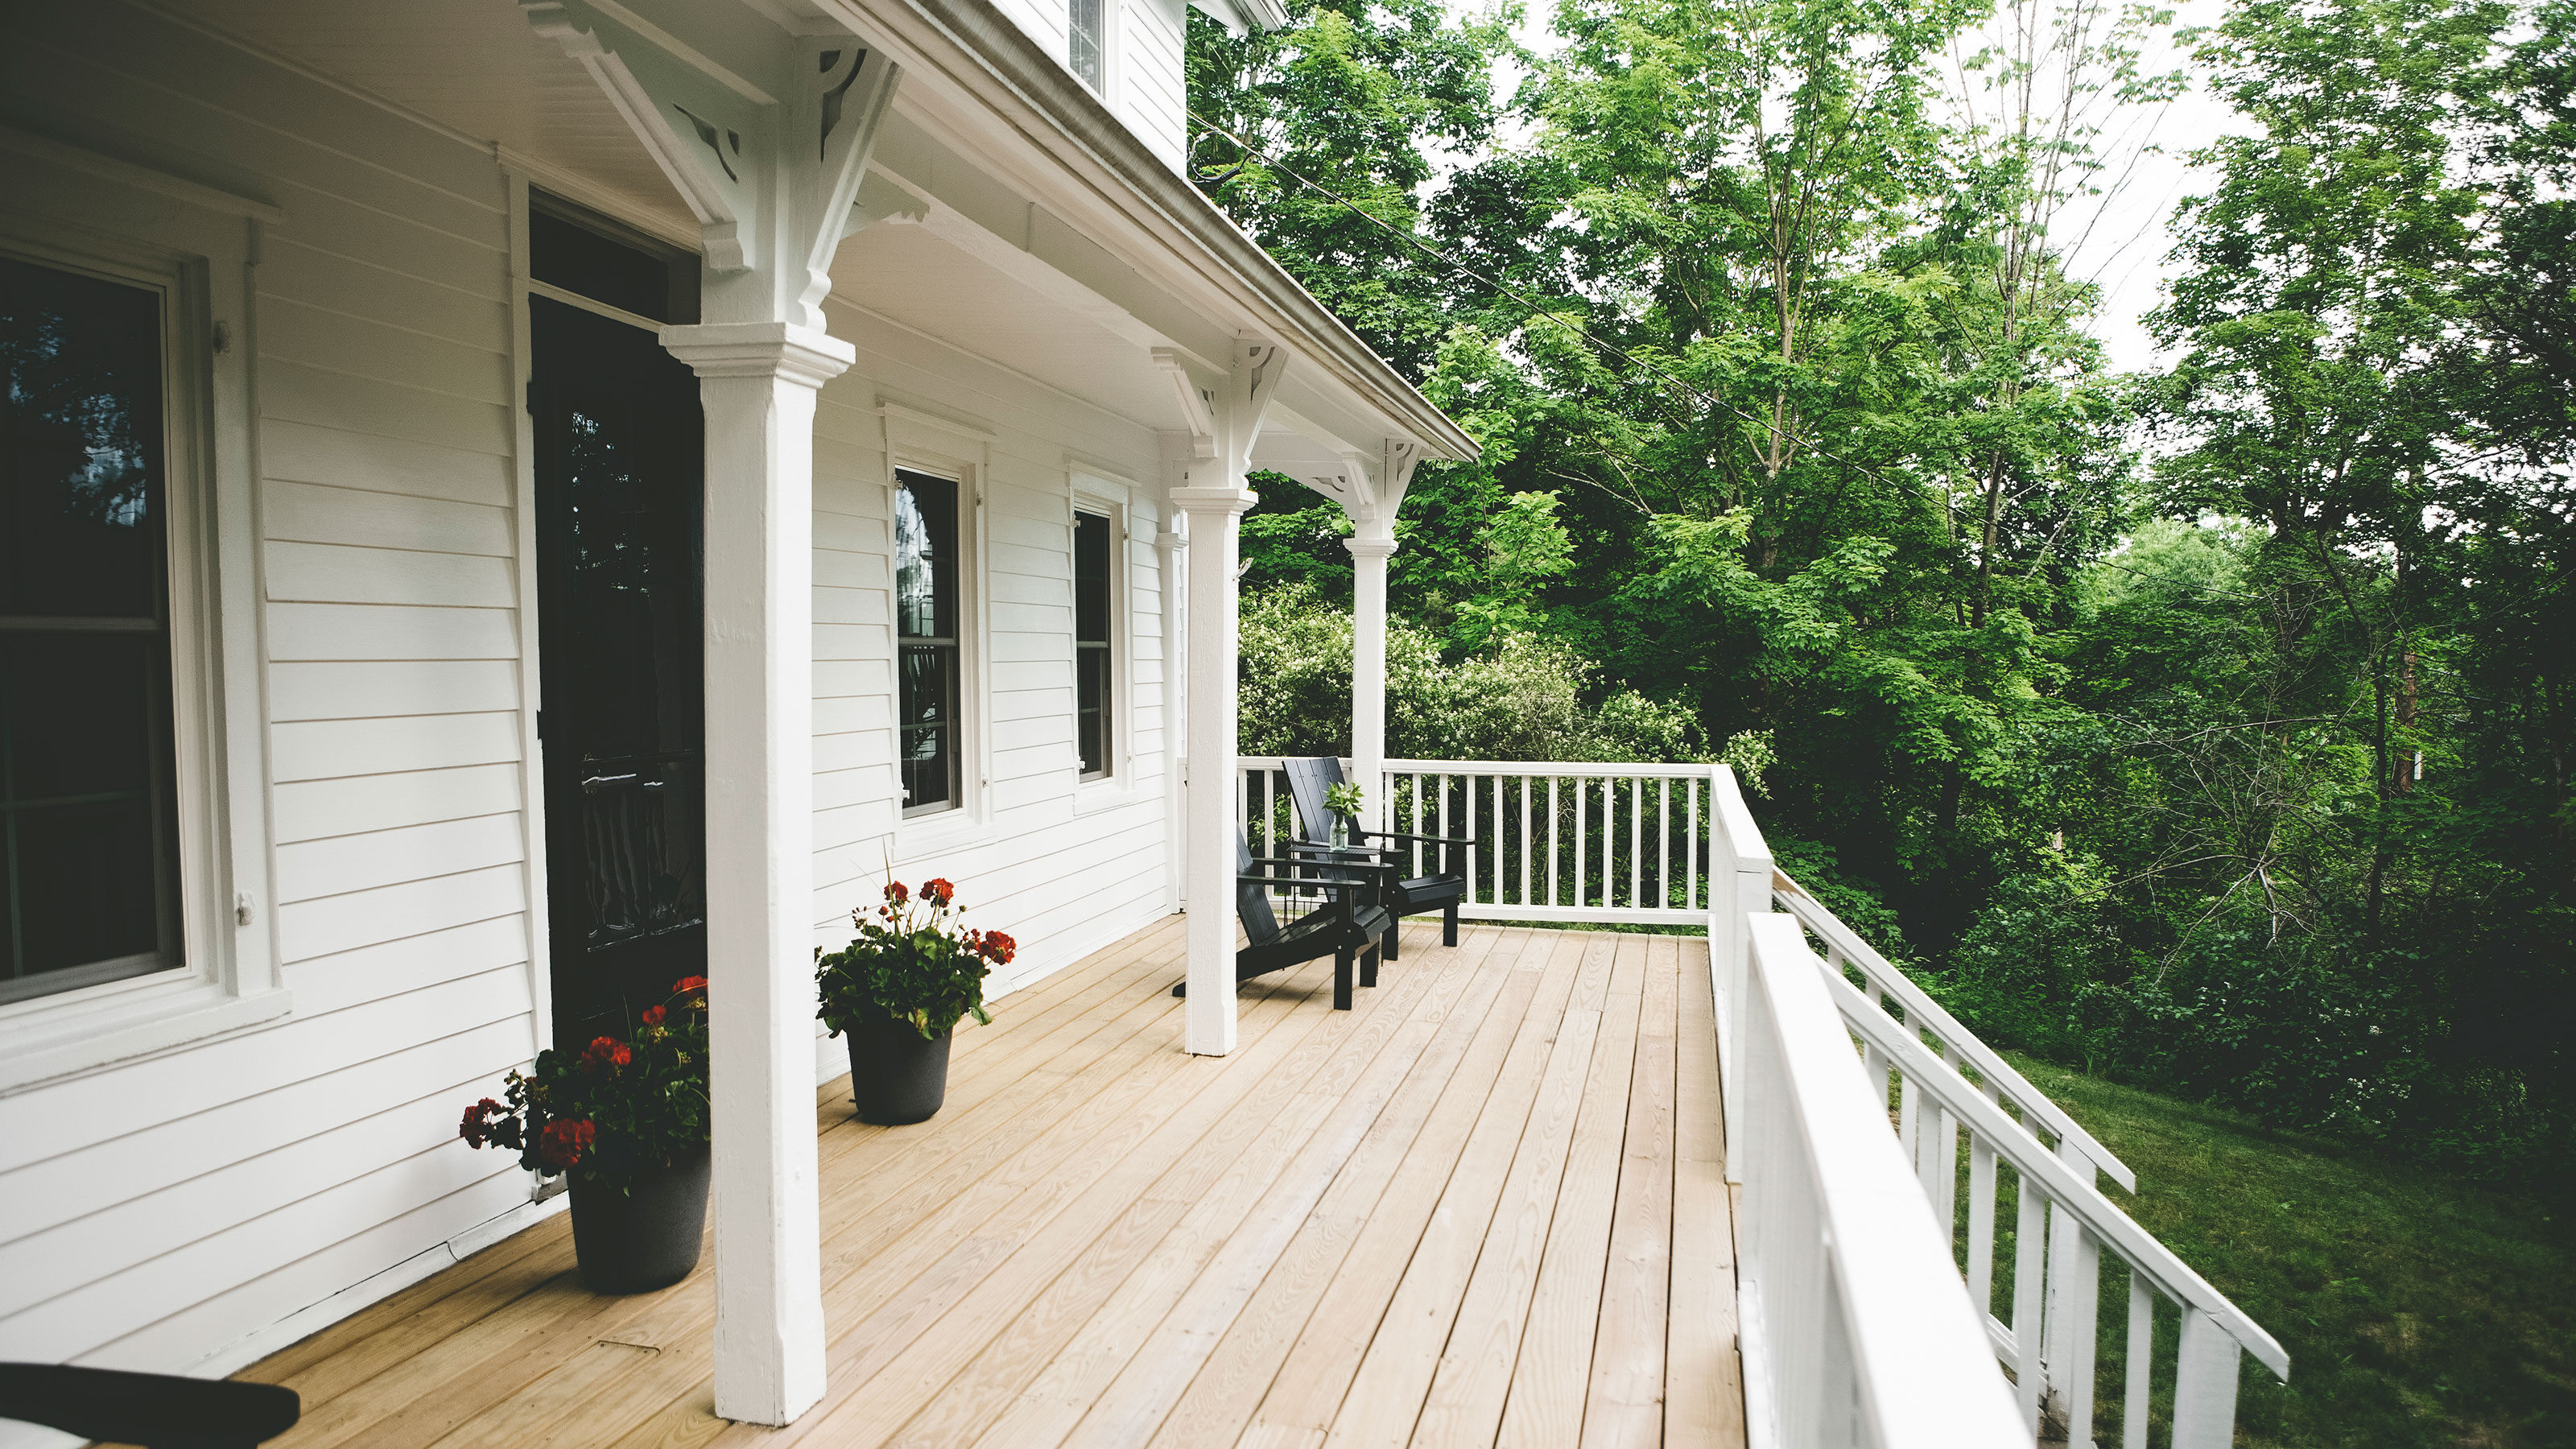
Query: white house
(506, 503)
(354, 624)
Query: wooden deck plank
(1127, 1411)
(1313, 1379)
(1553, 1369)
(1222, 1397)
(1465, 1403)
(1703, 1374)
(1459, 1214)
(1624, 1402)
(1402, 1347)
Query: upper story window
(88, 827)
(926, 575)
(1085, 40)
(1093, 673)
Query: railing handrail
(1547, 767)
(1920, 1368)
(2098, 1214)
(1922, 1010)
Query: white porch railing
(1855, 1328)
(1554, 842)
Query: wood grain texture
(1475, 1209)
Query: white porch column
(1214, 497)
(1207, 872)
(1368, 673)
(757, 382)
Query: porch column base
(757, 381)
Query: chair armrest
(1424, 839)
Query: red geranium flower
(563, 1143)
(896, 893)
(938, 891)
(687, 984)
(993, 946)
(476, 1128)
(653, 1016)
(606, 1051)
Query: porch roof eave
(977, 59)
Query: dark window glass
(88, 846)
(1091, 653)
(587, 257)
(1082, 40)
(925, 592)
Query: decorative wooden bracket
(1198, 405)
(1258, 366)
(724, 142)
(696, 130)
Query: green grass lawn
(2417, 1310)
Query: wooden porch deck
(1485, 1207)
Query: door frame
(518, 175)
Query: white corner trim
(145, 178)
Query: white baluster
(2030, 1231)
(2204, 1411)
(2139, 1394)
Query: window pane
(929, 700)
(1082, 51)
(87, 842)
(925, 556)
(80, 445)
(1090, 578)
(1091, 687)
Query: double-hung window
(927, 626)
(88, 815)
(1093, 674)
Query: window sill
(916, 836)
(1099, 797)
(107, 1026)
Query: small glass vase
(1341, 832)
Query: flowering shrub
(615, 1108)
(911, 962)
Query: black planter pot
(896, 1078)
(647, 1237)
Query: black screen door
(620, 463)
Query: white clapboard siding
(371, 688)
(320, 808)
(1150, 78)
(155, 1213)
(310, 513)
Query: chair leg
(1342, 979)
(1180, 988)
(1394, 924)
(1449, 924)
(1368, 964)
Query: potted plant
(898, 990)
(1344, 800)
(626, 1121)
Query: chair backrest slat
(1252, 902)
(1308, 780)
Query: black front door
(619, 464)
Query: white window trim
(1096, 492)
(200, 255)
(923, 442)
(1112, 16)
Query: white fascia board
(1242, 17)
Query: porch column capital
(1371, 548)
(1222, 502)
(779, 350)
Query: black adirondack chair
(158, 1411)
(1345, 924)
(1400, 894)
